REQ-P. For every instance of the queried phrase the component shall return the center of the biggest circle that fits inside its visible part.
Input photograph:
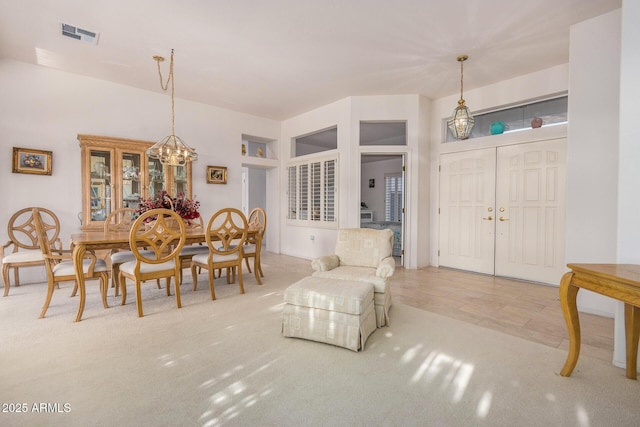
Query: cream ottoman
(331, 311)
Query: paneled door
(502, 210)
(531, 203)
(467, 203)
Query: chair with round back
(226, 233)
(24, 239)
(60, 266)
(257, 224)
(189, 251)
(120, 220)
(163, 233)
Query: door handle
(503, 219)
(488, 218)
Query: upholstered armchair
(363, 255)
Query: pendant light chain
(165, 86)
(461, 77)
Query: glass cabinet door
(180, 182)
(100, 167)
(131, 180)
(157, 178)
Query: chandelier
(461, 122)
(171, 150)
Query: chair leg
(177, 289)
(47, 301)
(16, 276)
(255, 270)
(104, 287)
(168, 286)
(194, 276)
(247, 262)
(115, 279)
(139, 298)
(212, 273)
(75, 289)
(123, 288)
(240, 279)
(258, 265)
(5, 279)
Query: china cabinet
(116, 173)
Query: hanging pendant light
(171, 150)
(461, 122)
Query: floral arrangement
(188, 209)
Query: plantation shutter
(393, 197)
(293, 192)
(329, 213)
(316, 193)
(303, 213)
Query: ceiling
(280, 58)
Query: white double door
(502, 210)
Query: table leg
(568, 295)
(632, 333)
(78, 257)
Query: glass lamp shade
(461, 122)
(172, 151)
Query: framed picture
(26, 160)
(372, 183)
(216, 174)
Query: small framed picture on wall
(372, 183)
(26, 160)
(216, 174)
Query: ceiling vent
(80, 34)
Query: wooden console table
(619, 281)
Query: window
(316, 142)
(312, 191)
(393, 197)
(516, 118)
(383, 133)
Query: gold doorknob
(488, 218)
(503, 219)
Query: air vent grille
(79, 33)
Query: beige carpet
(225, 363)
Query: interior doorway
(382, 193)
(254, 190)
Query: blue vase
(497, 128)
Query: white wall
(43, 108)
(628, 233)
(592, 149)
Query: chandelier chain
(165, 86)
(461, 77)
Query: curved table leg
(568, 295)
(632, 333)
(78, 256)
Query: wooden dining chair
(257, 224)
(189, 251)
(225, 234)
(163, 233)
(120, 220)
(23, 237)
(60, 266)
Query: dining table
(90, 240)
